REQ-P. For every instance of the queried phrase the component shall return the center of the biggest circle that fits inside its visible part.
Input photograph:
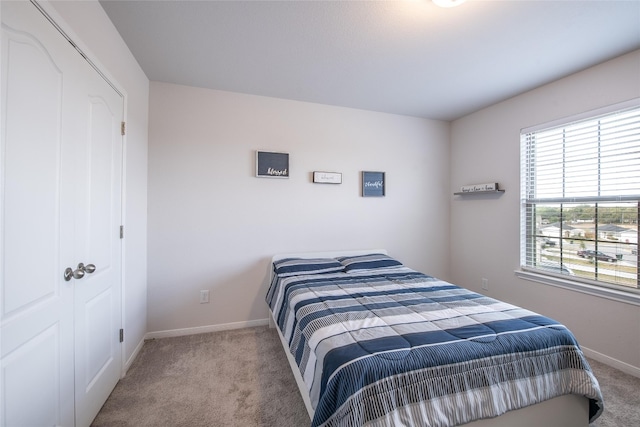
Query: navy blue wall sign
(373, 184)
(272, 165)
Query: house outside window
(580, 199)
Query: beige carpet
(621, 393)
(231, 378)
(241, 378)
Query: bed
(373, 342)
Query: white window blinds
(580, 196)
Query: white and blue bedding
(378, 343)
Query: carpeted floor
(242, 378)
(621, 393)
(230, 378)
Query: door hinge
(122, 231)
(122, 128)
(121, 335)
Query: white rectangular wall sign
(492, 186)
(327, 177)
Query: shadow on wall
(242, 295)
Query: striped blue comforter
(397, 347)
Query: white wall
(485, 231)
(214, 225)
(97, 35)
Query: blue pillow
(368, 262)
(299, 266)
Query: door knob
(78, 273)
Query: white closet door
(97, 295)
(60, 190)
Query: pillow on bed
(299, 266)
(368, 262)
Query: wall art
(272, 165)
(327, 177)
(373, 184)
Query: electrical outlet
(485, 284)
(204, 297)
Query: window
(580, 204)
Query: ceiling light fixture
(448, 3)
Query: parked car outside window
(600, 256)
(548, 242)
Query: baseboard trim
(610, 361)
(205, 329)
(132, 358)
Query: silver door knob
(78, 273)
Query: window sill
(602, 292)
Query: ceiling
(406, 57)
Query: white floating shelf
(468, 193)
